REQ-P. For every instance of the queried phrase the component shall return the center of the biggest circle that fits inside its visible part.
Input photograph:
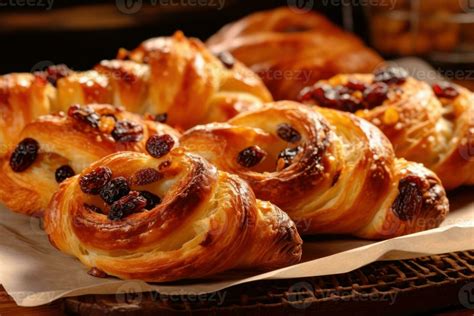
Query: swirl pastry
(332, 172)
(291, 49)
(431, 125)
(168, 217)
(55, 147)
(23, 98)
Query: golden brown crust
(435, 131)
(64, 140)
(344, 177)
(207, 222)
(291, 49)
(22, 99)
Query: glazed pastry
(173, 78)
(23, 98)
(291, 49)
(55, 147)
(431, 125)
(167, 217)
(331, 171)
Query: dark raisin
(127, 131)
(162, 118)
(348, 103)
(250, 156)
(338, 97)
(152, 200)
(97, 273)
(391, 75)
(409, 200)
(93, 208)
(94, 181)
(63, 172)
(147, 176)
(133, 202)
(54, 73)
(356, 85)
(288, 133)
(288, 155)
(445, 90)
(24, 155)
(375, 95)
(226, 59)
(158, 146)
(114, 190)
(84, 114)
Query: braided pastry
(291, 49)
(55, 147)
(431, 125)
(330, 171)
(165, 219)
(22, 99)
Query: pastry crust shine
(208, 222)
(342, 177)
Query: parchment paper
(35, 273)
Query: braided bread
(332, 172)
(22, 99)
(291, 49)
(174, 217)
(55, 147)
(431, 125)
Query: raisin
(152, 200)
(391, 75)
(93, 208)
(348, 103)
(288, 133)
(114, 190)
(356, 85)
(97, 273)
(445, 90)
(226, 59)
(147, 176)
(409, 200)
(250, 156)
(158, 146)
(84, 114)
(24, 155)
(63, 172)
(128, 204)
(53, 73)
(161, 118)
(288, 155)
(94, 181)
(375, 95)
(127, 131)
(338, 97)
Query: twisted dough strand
(208, 222)
(339, 176)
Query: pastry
(291, 49)
(167, 217)
(332, 172)
(432, 125)
(55, 147)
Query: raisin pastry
(291, 49)
(331, 171)
(167, 217)
(175, 79)
(55, 147)
(23, 97)
(431, 125)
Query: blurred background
(81, 33)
